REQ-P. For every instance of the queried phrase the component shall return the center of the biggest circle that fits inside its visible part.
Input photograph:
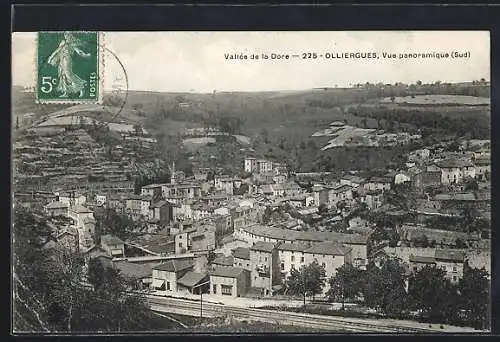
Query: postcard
(248, 182)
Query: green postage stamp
(69, 67)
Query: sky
(195, 62)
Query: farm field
(439, 100)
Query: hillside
(280, 125)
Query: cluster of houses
(209, 234)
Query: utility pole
(201, 296)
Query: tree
(50, 289)
(432, 292)
(459, 243)
(469, 216)
(266, 217)
(347, 284)
(474, 296)
(421, 241)
(379, 234)
(307, 281)
(341, 205)
(471, 185)
(113, 223)
(385, 287)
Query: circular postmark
(115, 88)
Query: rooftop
(241, 253)
(56, 205)
(454, 163)
(80, 209)
(312, 236)
(227, 272)
(152, 186)
(422, 259)
(262, 246)
(380, 179)
(328, 248)
(449, 255)
(292, 247)
(158, 204)
(191, 278)
(455, 197)
(224, 261)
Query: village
(229, 236)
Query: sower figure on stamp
(69, 82)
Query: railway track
(322, 322)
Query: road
(332, 323)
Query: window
(454, 278)
(282, 266)
(227, 290)
(302, 259)
(293, 266)
(323, 264)
(180, 244)
(168, 285)
(265, 259)
(292, 258)
(454, 269)
(214, 289)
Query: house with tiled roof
(330, 255)
(194, 282)
(229, 281)
(264, 266)
(378, 183)
(166, 275)
(222, 261)
(241, 257)
(274, 235)
(482, 165)
(451, 261)
(113, 245)
(54, 209)
(454, 170)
